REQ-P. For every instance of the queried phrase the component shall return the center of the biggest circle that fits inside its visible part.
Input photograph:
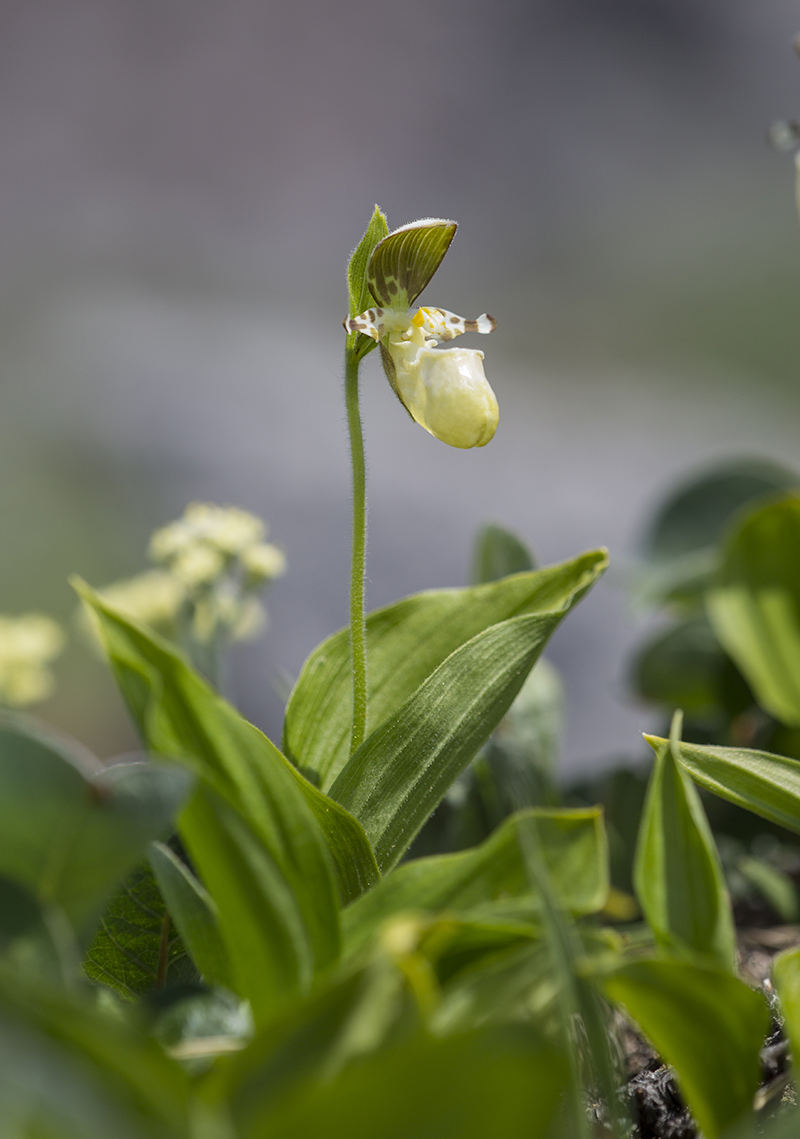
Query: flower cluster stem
(358, 630)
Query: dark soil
(651, 1091)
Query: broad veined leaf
(137, 949)
(406, 642)
(497, 553)
(677, 872)
(766, 784)
(403, 769)
(574, 848)
(180, 715)
(754, 605)
(69, 835)
(194, 913)
(704, 1022)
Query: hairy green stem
(358, 628)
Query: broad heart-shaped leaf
(403, 769)
(497, 553)
(574, 848)
(768, 785)
(126, 952)
(406, 641)
(68, 838)
(193, 911)
(704, 1022)
(403, 263)
(754, 605)
(677, 872)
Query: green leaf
(776, 887)
(403, 769)
(179, 715)
(704, 1022)
(194, 913)
(697, 514)
(682, 667)
(357, 286)
(403, 263)
(577, 1000)
(497, 553)
(574, 847)
(76, 1070)
(680, 546)
(406, 642)
(677, 872)
(126, 951)
(768, 785)
(497, 1081)
(69, 838)
(786, 975)
(272, 954)
(754, 605)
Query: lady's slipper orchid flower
(444, 390)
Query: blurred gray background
(182, 184)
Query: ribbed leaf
(754, 605)
(404, 262)
(405, 643)
(403, 769)
(768, 785)
(179, 714)
(574, 848)
(258, 821)
(262, 918)
(194, 913)
(677, 872)
(704, 1022)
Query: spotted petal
(403, 263)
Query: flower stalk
(358, 625)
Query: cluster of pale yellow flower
(213, 561)
(28, 645)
